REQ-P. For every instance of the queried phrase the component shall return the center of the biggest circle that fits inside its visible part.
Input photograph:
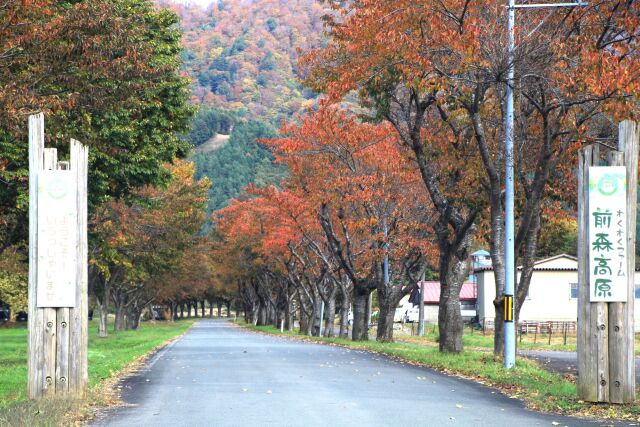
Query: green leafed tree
(105, 72)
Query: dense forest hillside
(242, 55)
(238, 163)
(242, 58)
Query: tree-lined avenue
(221, 374)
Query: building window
(574, 291)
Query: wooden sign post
(58, 306)
(606, 268)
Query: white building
(553, 292)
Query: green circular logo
(57, 189)
(608, 185)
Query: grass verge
(108, 357)
(478, 339)
(538, 388)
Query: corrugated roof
(432, 292)
(538, 265)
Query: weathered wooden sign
(606, 264)
(57, 238)
(58, 297)
(608, 233)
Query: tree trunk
(498, 325)
(449, 316)
(306, 321)
(134, 318)
(316, 320)
(210, 309)
(174, 311)
(262, 314)
(329, 316)
(288, 316)
(385, 318)
(219, 303)
(104, 311)
(120, 322)
(360, 331)
(368, 313)
(182, 311)
(344, 317)
(228, 309)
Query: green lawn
(106, 355)
(476, 339)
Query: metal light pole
(510, 275)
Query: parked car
(5, 315)
(412, 315)
(158, 312)
(21, 317)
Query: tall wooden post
(57, 346)
(606, 361)
(621, 315)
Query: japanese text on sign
(57, 235)
(607, 233)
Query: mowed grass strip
(107, 356)
(537, 387)
(476, 339)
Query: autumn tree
(436, 70)
(144, 241)
(363, 188)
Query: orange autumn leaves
(152, 238)
(356, 168)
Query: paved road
(221, 375)
(564, 362)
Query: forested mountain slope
(242, 55)
(242, 58)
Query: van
(412, 315)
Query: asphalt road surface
(564, 362)
(219, 374)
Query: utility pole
(510, 273)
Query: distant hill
(242, 55)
